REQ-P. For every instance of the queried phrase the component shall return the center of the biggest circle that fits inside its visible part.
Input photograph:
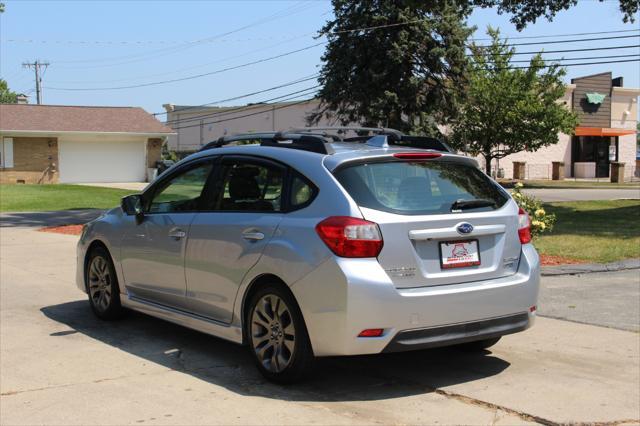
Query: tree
(392, 63)
(509, 109)
(6, 95)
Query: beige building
(606, 133)
(608, 115)
(74, 144)
(196, 126)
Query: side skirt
(186, 319)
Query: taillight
(524, 226)
(417, 155)
(350, 237)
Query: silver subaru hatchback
(309, 243)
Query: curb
(590, 268)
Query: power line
(246, 95)
(191, 77)
(563, 41)
(92, 43)
(229, 111)
(558, 35)
(564, 51)
(262, 104)
(174, 42)
(246, 115)
(581, 59)
(579, 64)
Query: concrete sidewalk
(133, 186)
(571, 194)
(60, 365)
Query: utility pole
(37, 65)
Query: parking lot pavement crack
(473, 401)
(526, 416)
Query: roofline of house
(81, 133)
(76, 106)
(591, 75)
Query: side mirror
(132, 205)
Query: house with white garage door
(76, 144)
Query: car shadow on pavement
(51, 218)
(355, 378)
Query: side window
(301, 191)
(249, 186)
(181, 193)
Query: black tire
(102, 285)
(479, 345)
(275, 331)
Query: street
(63, 366)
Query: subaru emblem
(465, 228)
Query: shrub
(541, 221)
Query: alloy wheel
(100, 283)
(273, 333)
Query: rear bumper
(345, 296)
(459, 333)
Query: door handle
(253, 236)
(177, 233)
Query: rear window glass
(420, 188)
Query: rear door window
(420, 188)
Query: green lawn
(27, 198)
(593, 231)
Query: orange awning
(603, 131)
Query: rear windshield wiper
(471, 204)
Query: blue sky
(111, 44)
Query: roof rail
(315, 139)
(303, 142)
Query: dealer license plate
(459, 254)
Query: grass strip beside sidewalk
(593, 231)
(31, 198)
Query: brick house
(73, 144)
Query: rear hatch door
(443, 221)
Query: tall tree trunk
(487, 163)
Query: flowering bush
(541, 221)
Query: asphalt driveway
(60, 365)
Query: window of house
(6, 152)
